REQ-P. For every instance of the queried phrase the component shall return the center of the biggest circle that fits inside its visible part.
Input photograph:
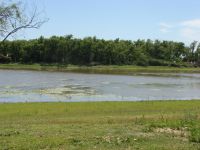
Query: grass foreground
(126, 70)
(100, 125)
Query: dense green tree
(93, 51)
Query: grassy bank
(100, 125)
(100, 69)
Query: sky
(177, 20)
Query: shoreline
(99, 102)
(118, 70)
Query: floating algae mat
(67, 90)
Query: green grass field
(100, 125)
(100, 69)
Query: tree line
(93, 51)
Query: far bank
(101, 69)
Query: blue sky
(177, 20)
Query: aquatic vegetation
(68, 90)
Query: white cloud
(187, 30)
(190, 33)
(195, 23)
(164, 27)
(190, 29)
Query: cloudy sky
(177, 20)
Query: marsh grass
(112, 69)
(100, 125)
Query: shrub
(194, 135)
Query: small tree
(13, 19)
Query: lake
(41, 86)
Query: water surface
(36, 86)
